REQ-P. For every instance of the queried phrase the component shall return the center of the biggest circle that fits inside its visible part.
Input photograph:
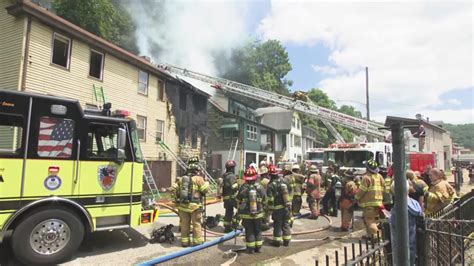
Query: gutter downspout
(26, 55)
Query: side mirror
(121, 142)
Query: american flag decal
(55, 137)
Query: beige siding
(120, 82)
(12, 36)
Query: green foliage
(462, 134)
(350, 110)
(260, 64)
(320, 98)
(105, 18)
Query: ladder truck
(327, 116)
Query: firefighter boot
(250, 250)
(286, 243)
(276, 243)
(257, 250)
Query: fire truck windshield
(356, 158)
(315, 156)
(334, 156)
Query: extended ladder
(148, 178)
(334, 132)
(209, 177)
(234, 145)
(331, 116)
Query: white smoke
(188, 33)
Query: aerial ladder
(334, 132)
(326, 115)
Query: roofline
(26, 7)
(412, 121)
(218, 108)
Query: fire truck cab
(65, 172)
(353, 155)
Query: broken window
(142, 82)
(61, 50)
(96, 68)
(194, 139)
(200, 104)
(161, 90)
(182, 100)
(182, 136)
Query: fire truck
(65, 172)
(315, 156)
(354, 155)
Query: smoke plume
(188, 33)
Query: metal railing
(364, 252)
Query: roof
(26, 7)
(391, 120)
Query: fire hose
(267, 233)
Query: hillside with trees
(462, 134)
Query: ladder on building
(150, 180)
(98, 96)
(185, 166)
(308, 108)
(203, 169)
(334, 132)
(233, 146)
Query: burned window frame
(102, 62)
(63, 39)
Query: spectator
(414, 212)
(417, 187)
(426, 174)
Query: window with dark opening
(200, 103)
(182, 100)
(96, 68)
(61, 50)
(194, 139)
(161, 90)
(182, 135)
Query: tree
(350, 110)
(104, 18)
(320, 98)
(263, 65)
(462, 134)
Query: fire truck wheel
(47, 236)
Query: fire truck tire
(47, 236)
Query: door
(50, 169)
(101, 174)
(11, 155)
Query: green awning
(233, 126)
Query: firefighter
(188, 192)
(229, 189)
(264, 181)
(329, 200)
(251, 200)
(387, 193)
(439, 194)
(296, 181)
(370, 196)
(280, 203)
(349, 189)
(313, 191)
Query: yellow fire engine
(65, 172)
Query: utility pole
(367, 92)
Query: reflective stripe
(250, 244)
(226, 223)
(235, 185)
(198, 240)
(227, 197)
(249, 216)
(277, 207)
(287, 237)
(259, 243)
(277, 238)
(185, 239)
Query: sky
(419, 53)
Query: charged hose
(189, 250)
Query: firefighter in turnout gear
(188, 193)
(387, 193)
(439, 194)
(250, 201)
(370, 196)
(296, 181)
(346, 203)
(264, 181)
(280, 203)
(229, 189)
(287, 177)
(313, 190)
(329, 200)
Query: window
(182, 136)
(61, 50)
(357, 158)
(142, 82)
(11, 130)
(296, 141)
(228, 134)
(182, 100)
(200, 103)
(141, 127)
(251, 133)
(102, 141)
(96, 68)
(161, 90)
(55, 137)
(160, 126)
(297, 123)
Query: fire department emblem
(106, 176)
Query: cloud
(186, 33)
(415, 51)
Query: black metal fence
(448, 235)
(364, 252)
